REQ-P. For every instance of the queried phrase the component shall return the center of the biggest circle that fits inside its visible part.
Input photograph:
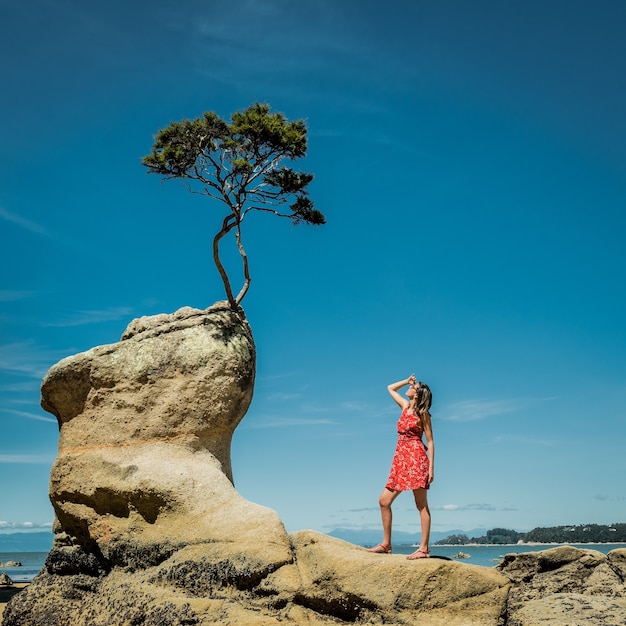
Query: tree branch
(264, 209)
(227, 225)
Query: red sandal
(381, 548)
(419, 554)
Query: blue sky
(470, 159)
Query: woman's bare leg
(385, 501)
(421, 501)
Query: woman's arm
(393, 390)
(430, 442)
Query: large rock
(145, 433)
(150, 530)
(347, 582)
(143, 467)
(328, 581)
(566, 586)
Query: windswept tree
(242, 164)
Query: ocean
(491, 555)
(485, 555)
(31, 565)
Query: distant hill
(582, 533)
(26, 542)
(368, 537)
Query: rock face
(325, 581)
(143, 468)
(145, 432)
(566, 586)
(150, 530)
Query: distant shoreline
(536, 543)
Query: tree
(453, 540)
(239, 163)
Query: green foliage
(454, 540)
(503, 536)
(238, 164)
(496, 536)
(584, 533)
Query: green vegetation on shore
(583, 533)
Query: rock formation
(566, 585)
(150, 530)
(145, 433)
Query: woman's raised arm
(393, 390)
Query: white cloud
(30, 416)
(22, 222)
(81, 318)
(280, 376)
(477, 409)
(466, 507)
(280, 422)
(17, 526)
(28, 387)
(360, 407)
(527, 441)
(229, 50)
(367, 509)
(25, 357)
(471, 410)
(234, 42)
(282, 396)
(27, 459)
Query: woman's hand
(412, 380)
(431, 477)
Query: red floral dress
(409, 468)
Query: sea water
(31, 565)
(491, 555)
(486, 555)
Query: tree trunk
(226, 228)
(246, 271)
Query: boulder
(143, 468)
(5, 581)
(145, 431)
(567, 586)
(328, 581)
(344, 581)
(617, 559)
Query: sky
(470, 159)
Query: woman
(413, 463)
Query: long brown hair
(423, 399)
